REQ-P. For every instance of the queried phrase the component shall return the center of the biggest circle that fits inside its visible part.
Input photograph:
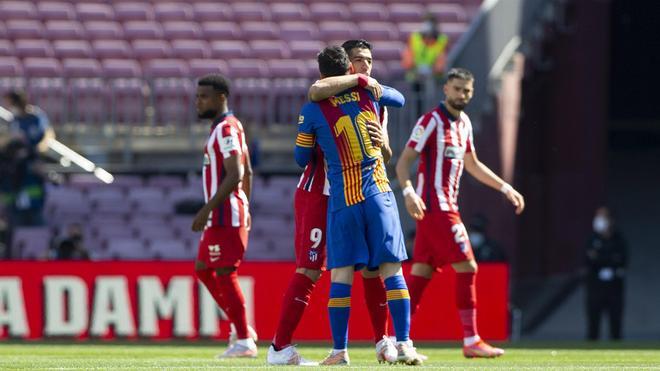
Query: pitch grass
(185, 356)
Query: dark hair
(17, 97)
(353, 44)
(460, 73)
(218, 82)
(333, 61)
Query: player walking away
(443, 137)
(363, 222)
(311, 203)
(224, 219)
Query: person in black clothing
(70, 247)
(606, 259)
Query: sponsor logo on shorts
(214, 253)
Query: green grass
(147, 356)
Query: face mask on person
(601, 224)
(477, 238)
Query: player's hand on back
(516, 199)
(201, 219)
(374, 87)
(375, 133)
(415, 206)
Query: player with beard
(225, 219)
(443, 138)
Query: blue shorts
(366, 234)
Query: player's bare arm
(486, 176)
(247, 185)
(235, 169)
(414, 203)
(329, 86)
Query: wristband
(363, 81)
(506, 188)
(408, 190)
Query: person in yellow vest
(425, 54)
(424, 58)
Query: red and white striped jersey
(227, 138)
(442, 141)
(314, 178)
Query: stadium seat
(31, 242)
(454, 30)
(65, 30)
(151, 49)
(230, 49)
(190, 49)
(72, 49)
(112, 49)
(39, 48)
(211, 12)
(173, 30)
(214, 31)
(360, 12)
(3, 30)
(134, 11)
(331, 31)
(13, 10)
(88, 99)
(126, 249)
(170, 249)
(24, 29)
(144, 30)
(406, 12)
(248, 68)
(165, 181)
(201, 67)
(115, 194)
(326, 12)
(296, 30)
(387, 50)
(173, 11)
(109, 231)
(150, 232)
(46, 86)
(247, 11)
(305, 49)
(128, 181)
(56, 10)
(260, 30)
(146, 193)
(95, 12)
(448, 12)
(172, 91)
(104, 30)
(269, 49)
(379, 31)
(289, 12)
(6, 48)
(10, 67)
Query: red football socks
(235, 303)
(416, 286)
(376, 299)
(466, 301)
(295, 301)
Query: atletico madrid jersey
(226, 139)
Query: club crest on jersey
(417, 133)
(207, 160)
(455, 152)
(301, 119)
(313, 255)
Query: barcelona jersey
(339, 126)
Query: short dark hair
(353, 44)
(459, 73)
(17, 97)
(333, 61)
(218, 82)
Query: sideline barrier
(163, 300)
